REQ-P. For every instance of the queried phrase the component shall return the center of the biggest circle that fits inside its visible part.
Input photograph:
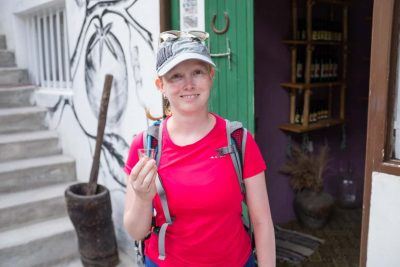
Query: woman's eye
(176, 76)
(199, 72)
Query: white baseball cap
(176, 50)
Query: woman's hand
(142, 179)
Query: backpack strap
(237, 159)
(237, 135)
(152, 138)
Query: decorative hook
(225, 29)
(227, 54)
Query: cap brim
(180, 58)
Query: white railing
(48, 44)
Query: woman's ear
(159, 84)
(212, 72)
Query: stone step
(22, 119)
(32, 205)
(124, 261)
(38, 244)
(3, 44)
(16, 96)
(7, 58)
(13, 76)
(28, 144)
(36, 172)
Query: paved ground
(342, 240)
(341, 247)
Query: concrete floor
(342, 240)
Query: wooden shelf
(313, 42)
(302, 86)
(334, 2)
(298, 128)
(332, 97)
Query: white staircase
(34, 227)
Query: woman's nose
(189, 82)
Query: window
(393, 145)
(49, 60)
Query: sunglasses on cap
(174, 34)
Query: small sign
(192, 15)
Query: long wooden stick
(92, 187)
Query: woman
(202, 189)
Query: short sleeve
(133, 157)
(253, 160)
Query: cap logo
(163, 54)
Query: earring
(164, 96)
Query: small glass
(146, 152)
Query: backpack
(236, 136)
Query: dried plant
(306, 169)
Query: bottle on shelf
(338, 31)
(324, 30)
(317, 66)
(300, 66)
(329, 68)
(298, 118)
(324, 66)
(335, 67)
(301, 33)
(316, 27)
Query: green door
(230, 24)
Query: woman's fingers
(137, 168)
(143, 174)
(147, 167)
(149, 179)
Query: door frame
(380, 106)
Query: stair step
(13, 76)
(36, 172)
(7, 58)
(22, 119)
(3, 44)
(124, 261)
(28, 144)
(32, 205)
(16, 96)
(38, 244)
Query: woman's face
(187, 86)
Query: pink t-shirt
(204, 199)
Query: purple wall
(272, 66)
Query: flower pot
(91, 217)
(313, 209)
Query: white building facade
(68, 47)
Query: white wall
(121, 41)
(137, 58)
(384, 224)
(6, 22)
(12, 14)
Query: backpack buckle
(222, 151)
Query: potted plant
(311, 204)
(89, 205)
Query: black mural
(103, 53)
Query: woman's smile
(191, 96)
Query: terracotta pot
(313, 209)
(91, 217)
